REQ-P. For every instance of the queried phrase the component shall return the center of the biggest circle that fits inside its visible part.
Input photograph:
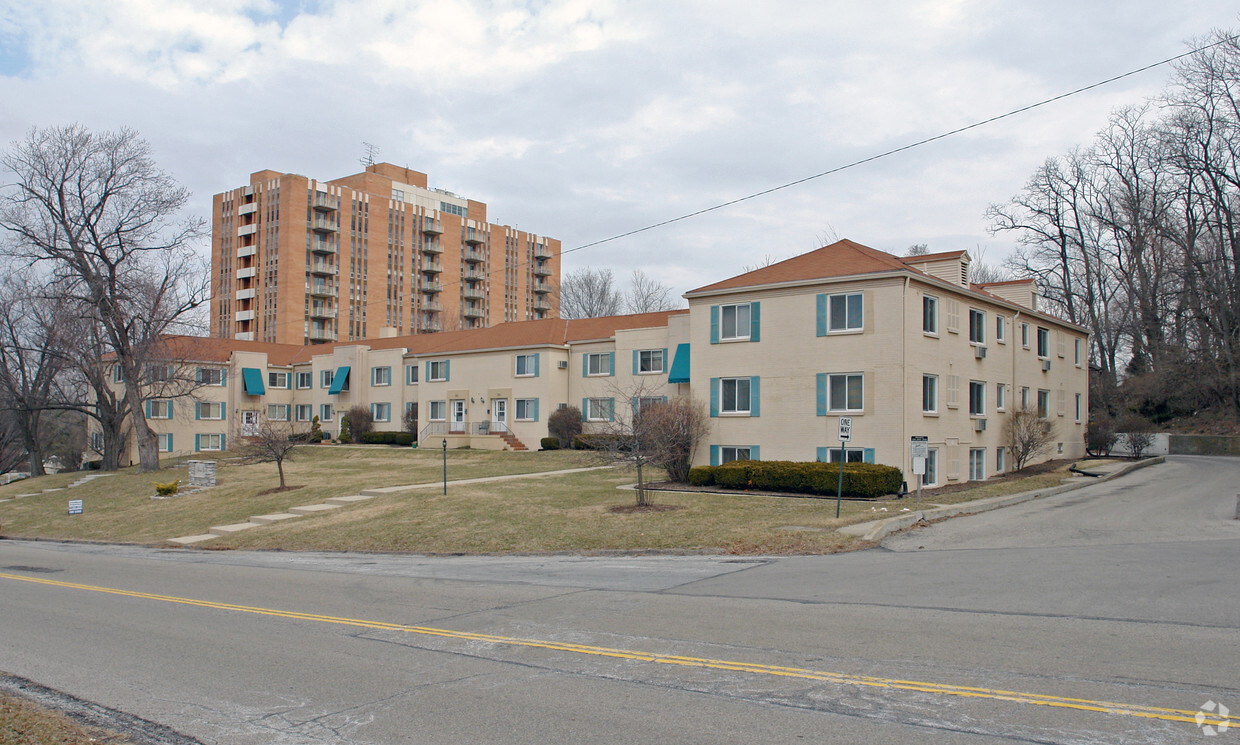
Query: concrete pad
(23, 496)
(234, 528)
(310, 509)
(349, 500)
(272, 518)
(191, 539)
(48, 491)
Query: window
(527, 365)
(439, 411)
(598, 363)
(1044, 403)
(1077, 351)
(1000, 330)
(977, 327)
(303, 412)
(381, 375)
(527, 410)
(1078, 408)
(411, 374)
(600, 409)
(650, 361)
(977, 464)
(118, 375)
(734, 395)
(326, 413)
(845, 392)
(158, 409)
(437, 372)
(210, 376)
(729, 454)
(1024, 335)
(932, 468)
(165, 442)
(325, 378)
(209, 410)
(1024, 397)
(1000, 396)
(304, 380)
(645, 402)
(210, 442)
(977, 398)
(277, 412)
(381, 412)
(734, 321)
(999, 466)
(930, 394)
(159, 372)
(844, 312)
(1044, 342)
(851, 455)
(96, 441)
(930, 314)
(277, 380)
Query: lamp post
(445, 466)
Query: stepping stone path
(332, 503)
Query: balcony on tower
(431, 226)
(324, 224)
(475, 236)
(324, 202)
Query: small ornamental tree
(360, 422)
(1138, 435)
(410, 419)
(316, 430)
(1100, 436)
(273, 443)
(564, 425)
(344, 436)
(1027, 436)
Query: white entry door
(249, 423)
(457, 423)
(499, 415)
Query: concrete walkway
(335, 503)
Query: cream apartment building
(904, 346)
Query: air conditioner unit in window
(563, 364)
(979, 425)
(979, 352)
(1046, 365)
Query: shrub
(861, 480)
(316, 429)
(564, 424)
(404, 439)
(702, 475)
(344, 437)
(1100, 436)
(550, 443)
(598, 442)
(165, 490)
(360, 421)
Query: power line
(900, 149)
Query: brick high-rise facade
(299, 261)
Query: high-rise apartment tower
(299, 261)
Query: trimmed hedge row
(861, 480)
(550, 443)
(386, 438)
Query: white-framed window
(727, 454)
(165, 442)
(977, 464)
(1078, 408)
(734, 321)
(600, 409)
(734, 395)
(1000, 397)
(381, 411)
(158, 372)
(158, 409)
(326, 412)
(851, 455)
(209, 410)
(277, 380)
(1077, 351)
(381, 375)
(999, 460)
(325, 378)
(844, 312)
(210, 442)
(1024, 335)
(931, 476)
(437, 371)
(411, 374)
(1044, 342)
(304, 380)
(1044, 403)
(977, 326)
(930, 315)
(211, 376)
(526, 409)
(277, 412)
(527, 365)
(1024, 397)
(1000, 330)
(977, 398)
(845, 392)
(598, 363)
(438, 411)
(650, 361)
(303, 412)
(930, 394)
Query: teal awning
(253, 378)
(680, 365)
(340, 381)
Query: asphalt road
(1109, 614)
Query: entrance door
(457, 422)
(499, 415)
(249, 423)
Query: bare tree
(589, 293)
(675, 428)
(1026, 436)
(647, 295)
(564, 425)
(12, 453)
(274, 443)
(99, 212)
(917, 249)
(982, 272)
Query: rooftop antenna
(370, 151)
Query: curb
(876, 530)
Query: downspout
(904, 441)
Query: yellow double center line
(1035, 699)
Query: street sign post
(919, 451)
(845, 436)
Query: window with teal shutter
(753, 398)
(714, 397)
(821, 316)
(714, 455)
(754, 325)
(714, 325)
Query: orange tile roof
(215, 349)
(840, 259)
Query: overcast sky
(583, 120)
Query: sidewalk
(335, 503)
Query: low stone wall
(1204, 445)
